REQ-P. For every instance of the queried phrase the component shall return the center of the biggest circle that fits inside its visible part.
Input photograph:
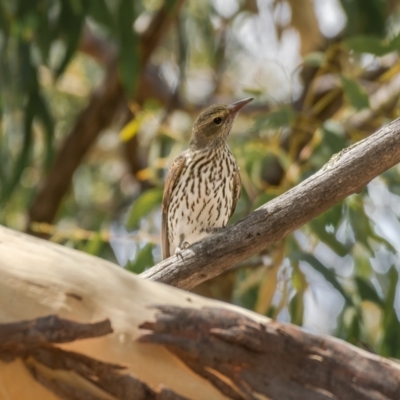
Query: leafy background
(97, 97)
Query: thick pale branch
(32, 341)
(91, 296)
(346, 173)
(275, 360)
(198, 348)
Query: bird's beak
(235, 107)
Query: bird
(203, 183)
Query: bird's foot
(179, 249)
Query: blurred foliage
(339, 273)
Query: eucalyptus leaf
(365, 17)
(44, 115)
(367, 44)
(355, 94)
(129, 52)
(94, 244)
(143, 260)
(372, 44)
(70, 26)
(330, 219)
(296, 308)
(328, 274)
(390, 345)
(282, 117)
(314, 59)
(25, 153)
(367, 291)
(319, 228)
(360, 224)
(44, 37)
(142, 206)
(100, 12)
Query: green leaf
(143, 260)
(354, 329)
(296, 309)
(319, 228)
(94, 245)
(373, 45)
(332, 142)
(248, 299)
(253, 91)
(129, 51)
(365, 16)
(70, 24)
(314, 59)
(142, 206)
(296, 305)
(367, 44)
(4, 21)
(330, 218)
(355, 94)
(27, 71)
(25, 154)
(362, 226)
(392, 179)
(43, 34)
(390, 346)
(367, 291)
(327, 273)
(43, 114)
(282, 117)
(100, 12)
(245, 295)
(394, 43)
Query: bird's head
(213, 125)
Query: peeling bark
(33, 342)
(19, 337)
(243, 358)
(200, 349)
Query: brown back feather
(237, 190)
(172, 179)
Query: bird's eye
(217, 120)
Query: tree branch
(198, 348)
(33, 340)
(346, 173)
(240, 356)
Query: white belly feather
(204, 199)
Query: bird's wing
(237, 190)
(172, 179)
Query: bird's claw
(179, 249)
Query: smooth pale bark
(39, 278)
(347, 172)
(189, 344)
